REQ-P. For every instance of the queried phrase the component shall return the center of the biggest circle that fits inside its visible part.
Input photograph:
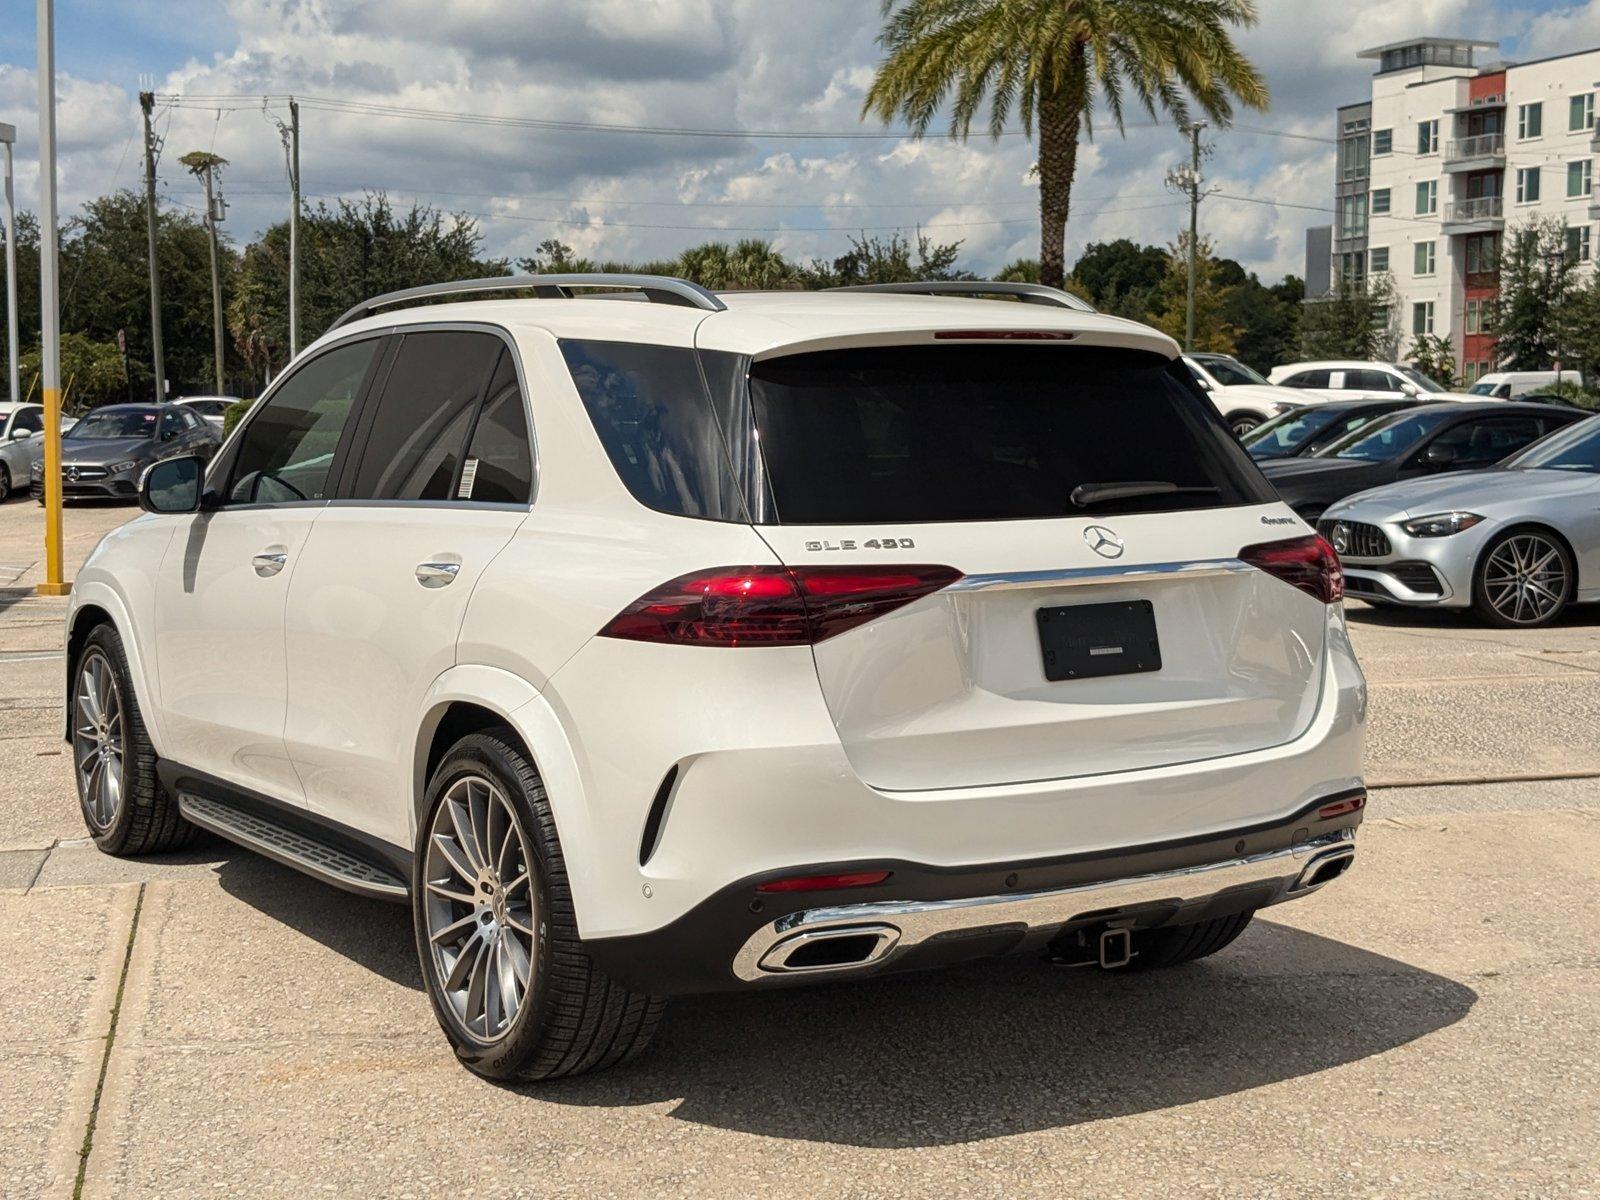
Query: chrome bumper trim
(917, 921)
(1110, 573)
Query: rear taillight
(772, 605)
(1307, 563)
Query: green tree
(1267, 320)
(1050, 61)
(1212, 331)
(1581, 332)
(1536, 278)
(348, 253)
(890, 260)
(1435, 356)
(554, 257)
(27, 290)
(1020, 270)
(1352, 321)
(91, 373)
(1121, 277)
(750, 263)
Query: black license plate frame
(1094, 641)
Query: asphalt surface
(212, 1024)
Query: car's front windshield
(1285, 434)
(128, 423)
(1418, 378)
(1386, 440)
(1482, 389)
(1575, 448)
(1230, 372)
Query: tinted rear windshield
(909, 433)
(986, 433)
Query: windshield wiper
(1086, 495)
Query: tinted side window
(1307, 379)
(287, 450)
(1488, 440)
(30, 419)
(418, 427)
(171, 423)
(650, 409)
(1371, 381)
(499, 466)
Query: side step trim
(292, 848)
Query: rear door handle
(269, 562)
(437, 574)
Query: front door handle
(269, 562)
(437, 574)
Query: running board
(292, 848)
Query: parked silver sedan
(1516, 543)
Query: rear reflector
(1003, 335)
(1339, 807)
(1307, 563)
(772, 605)
(823, 883)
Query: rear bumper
(924, 917)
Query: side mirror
(19, 433)
(1440, 456)
(173, 485)
(1410, 389)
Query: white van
(1508, 385)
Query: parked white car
(1244, 399)
(1512, 385)
(1352, 379)
(22, 444)
(212, 408)
(724, 642)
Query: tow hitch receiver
(1116, 948)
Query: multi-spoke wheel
(99, 745)
(479, 906)
(114, 760)
(496, 930)
(1242, 423)
(1524, 578)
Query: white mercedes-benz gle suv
(711, 642)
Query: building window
(1427, 197)
(1482, 253)
(1580, 112)
(1353, 216)
(1530, 121)
(1353, 153)
(1380, 202)
(1578, 243)
(1428, 137)
(1422, 259)
(1422, 317)
(1378, 258)
(1527, 185)
(1580, 178)
(1382, 141)
(1474, 316)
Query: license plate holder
(1092, 641)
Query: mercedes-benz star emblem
(72, 473)
(1103, 541)
(1341, 537)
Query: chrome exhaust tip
(841, 948)
(1323, 869)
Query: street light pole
(294, 228)
(205, 165)
(147, 103)
(54, 583)
(8, 136)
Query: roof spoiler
(1027, 293)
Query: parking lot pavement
(1427, 1026)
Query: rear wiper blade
(1086, 495)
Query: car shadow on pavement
(1394, 616)
(959, 1055)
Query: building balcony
(1483, 214)
(1482, 152)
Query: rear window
(985, 433)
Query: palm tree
(1051, 60)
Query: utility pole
(8, 136)
(54, 583)
(1194, 229)
(147, 104)
(294, 228)
(205, 166)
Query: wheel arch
(1529, 526)
(94, 604)
(467, 699)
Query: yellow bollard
(54, 583)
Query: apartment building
(1451, 150)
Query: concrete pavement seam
(105, 1059)
(1476, 780)
(39, 870)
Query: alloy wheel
(1525, 578)
(99, 739)
(480, 907)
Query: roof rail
(659, 289)
(1028, 293)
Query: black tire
(146, 820)
(1242, 422)
(1157, 949)
(5, 483)
(1482, 603)
(573, 1018)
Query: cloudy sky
(725, 65)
